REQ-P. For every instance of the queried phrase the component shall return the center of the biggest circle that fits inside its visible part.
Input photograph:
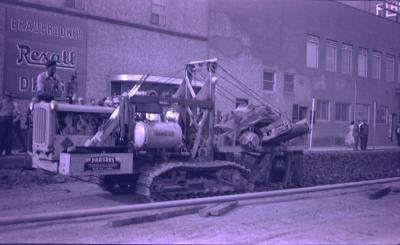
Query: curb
(15, 161)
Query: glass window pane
(362, 63)
(312, 51)
(288, 84)
(389, 68)
(376, 65)
(322, 110)
(347, 59)
(331, 56)
(362, 112)
(269, 81)
(342, 111)
(381, 114)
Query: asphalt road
(341, 216)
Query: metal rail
(180, 203)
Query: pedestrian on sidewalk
(349, 139)
(364, 135)
(356, 135)
(17, 126)
(398, 133)
(6, 123)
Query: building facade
(93, 40)
(294, 52)
(288, 53)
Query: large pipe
(180, 203)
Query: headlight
(53, 105)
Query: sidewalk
(16, 160)
(21, 160)
(344, 148)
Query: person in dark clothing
(356, 135)
(6, 123)
(363, 135)
(29, 127)
(17, 127)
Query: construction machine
(163, 145)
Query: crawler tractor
(162, 144)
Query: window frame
(317, 114)
(273, 82)
(334, 45)
(362, 52)
(311, 39)
(378, 76)
(292, 85)
(385, 108)
(398, 69)
(349, 48)
(392, 61)
(158, 9)
(348, 111)
(368, 111)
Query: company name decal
(65, 59)
(102, 163)
(45, 29)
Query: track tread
(145, 180)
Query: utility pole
(312, 122)
(373, 145)
(355, 100)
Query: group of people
(48, 86)
(10, 124)
(357, 137)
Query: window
(398, 70)
(362, 62)
(342, 112)
(241, 101)
(376, 65)
(158, 9)
(331, 55)
(288, 83)
(312, 51)
(347, 59)
(299, 112)
(390, 68)
(269, 81)
(322, 110)
(362, 112)
(381, 114)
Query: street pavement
(331, 217)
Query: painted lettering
(36, 27)
(65, 59)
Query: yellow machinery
(163, 147)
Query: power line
(255, 94)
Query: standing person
(17, 126)
(398, 133)
(355, 135)
(349, 136)
(6, 123)
(364, 135)
(49, 84)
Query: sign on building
(388, 8)
(33, 38)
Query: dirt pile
(10, 178)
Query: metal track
(148, 176)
